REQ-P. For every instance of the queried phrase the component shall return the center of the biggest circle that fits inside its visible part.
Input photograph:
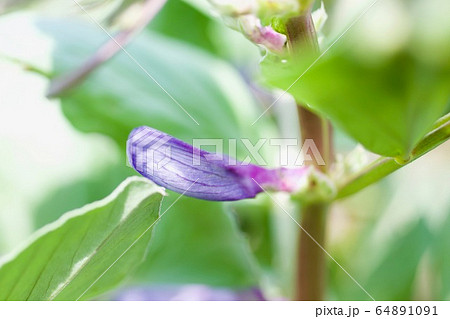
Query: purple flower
(182, 168)
(187, 293)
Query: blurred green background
(60, 154)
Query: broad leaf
(87, 251)
(199, 31)
(385, 88)
(120, 95)
(79, 191)
(385, 265)
(255, 221)
(105, 10)
(441, 260)
(393, 276)
(387, 107)
(198, 242)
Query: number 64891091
(406, 310)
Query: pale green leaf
(166, 84)
(198, 242)
(393, 276)
(104, 10)
(87, 251)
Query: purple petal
(187, 293)
(182, 168)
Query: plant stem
(310, 283)
(68, 81)
(311, 270)
(320, 131)
(384, 166)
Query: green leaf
(387, 107)
(255, 221)
(104, 10)
(77, 192)
(384, 264)
(384, 82)
(198, 242)
(393, 276)
(120, 96)
(198, 32)
(77, 257)
(440, 259)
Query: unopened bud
(264, 35)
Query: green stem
(441, 121)
(384, 166)
(310, 272)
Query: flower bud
(253, 19)
(264, 35)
